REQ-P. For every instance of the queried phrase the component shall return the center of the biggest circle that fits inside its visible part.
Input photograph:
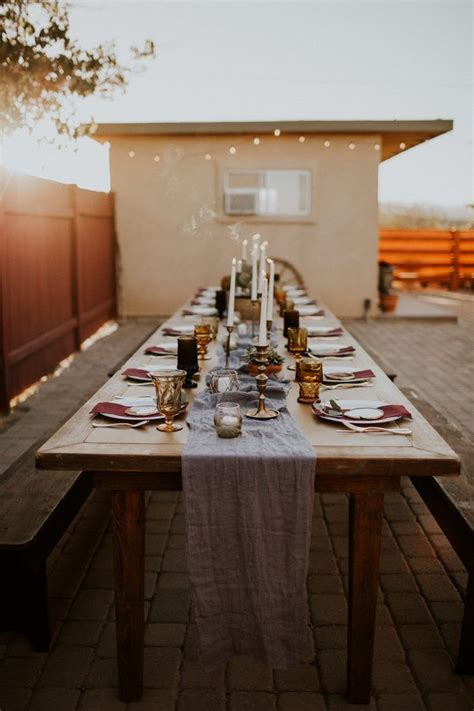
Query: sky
(275, 60)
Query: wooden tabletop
(78, 445)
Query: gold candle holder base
(261, 412)
(227, 345)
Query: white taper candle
(244, 250)
(231, 305)
(271, 286)
(254, 274)
(262, 333)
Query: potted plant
(275, 361)
(388, 297)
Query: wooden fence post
(4, 349)
(76, 270)
(455, 280)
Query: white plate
(364, 413)
(301, 300)
(308, 310)
(142, 411)
(202, 310)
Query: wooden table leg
(128, 524)
(365, 526)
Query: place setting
(363, 416)
(134, 412)
(331, 350)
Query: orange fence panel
(441, 257)
(57, 276)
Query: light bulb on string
(301, 139)
(377, 146)
(232, 150)
(352, 146)
(131, 154)
(207, 156)
(156, 158)
(256, 141)
(276, 132)
(327, 144)
(403, 146)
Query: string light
(207, 156)
(156, 159)
(403, 146)
(276, 132)
(107, 144)
(352, 146)
(377, 146)
(256, 141)
(301, 139)
(327, 144)
(131, 154)
(232, 150)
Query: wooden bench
(451, 503)
(35, 511)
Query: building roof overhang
(395, 136)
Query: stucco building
(187, 194)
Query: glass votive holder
(228, 420)
(309, 375)
(291, 319)
(224, 380)
(242, 329)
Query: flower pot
(243, 305)
(272, 368)
(388, 302)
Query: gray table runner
(249, 506)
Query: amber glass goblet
(213, 322)
(297, 343)
(203, 336)
(168, 386)
(309, 374)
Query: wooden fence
(438, 257)
(57, 276)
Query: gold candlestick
(227, 345)
(262, 412)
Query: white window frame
(261, 173)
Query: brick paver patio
(421, 579)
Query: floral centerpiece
(275, 361)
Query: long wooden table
(129, 462)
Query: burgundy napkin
(187, 312)
(136, 373)
(334, 332)
(172, 332)
(113, 408)
(156, 350)
(356, 374)
(388, 411)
